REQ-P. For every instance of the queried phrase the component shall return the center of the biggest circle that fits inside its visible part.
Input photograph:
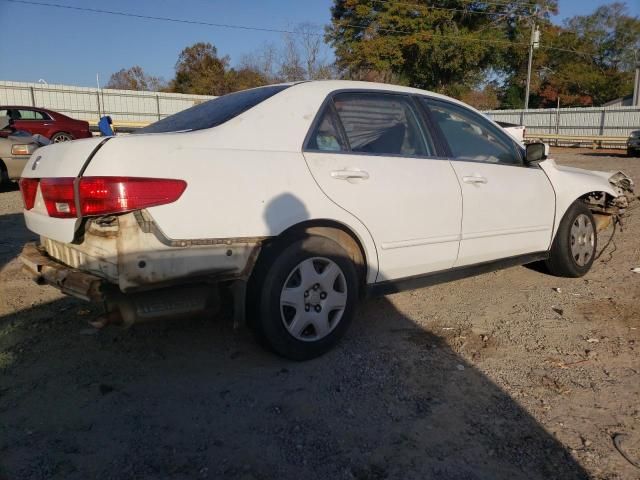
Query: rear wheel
(305, 297)
(574, 248)
(61, 137)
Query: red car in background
(53, 125)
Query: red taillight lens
(29, 187)
(58, 197)
(101, 195)
(107, 195)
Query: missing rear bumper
(46, 271)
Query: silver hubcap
(61, 138)
(313, 299)
(582, 240)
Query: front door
(509, 207)
(371, 154)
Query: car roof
(24, 107)
(329, 86)
(57, 115)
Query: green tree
(244, 78)
(199, 70)
(447, 46)
(134, 78)
(591, 60)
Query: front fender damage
(607, 208)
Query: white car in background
(301, 198)
(516, 131)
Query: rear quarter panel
(230, 192)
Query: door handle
(349, 174)
(474, 179)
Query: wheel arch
(340, 233)
(596, 200)
(599, 203)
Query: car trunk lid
(62, 160)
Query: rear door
(33, 121)
(509, 207)
(371, 154)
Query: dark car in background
(53, 125)
(633, 144)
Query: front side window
(470, 136)
(382, 124)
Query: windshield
(213, 112)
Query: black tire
(277, 265)
(562, 261)
(61, 137)
(4, 174)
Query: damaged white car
(301, 198)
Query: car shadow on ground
(198, 399)
(13, 236)
(9, 187)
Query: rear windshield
(213, 112)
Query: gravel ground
(475, 379)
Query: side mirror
(536, 152)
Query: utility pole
(534, 43)
(636, 84)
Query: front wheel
(574, 248)
(306, 297)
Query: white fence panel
(90, 103)
(587, 122)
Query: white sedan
(299, 199)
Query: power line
(276, 30)
(151, 17)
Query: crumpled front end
(611, 208)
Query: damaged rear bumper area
(127, 264)
(127, 309)
(46, 271)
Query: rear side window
(213, 112)
(375, 123)
(326, 136)
(471, 136)
(381, 124)
(31, 115)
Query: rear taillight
(29, 187)
(102, 195)
(58, 197)
(107, 195)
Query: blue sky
(64, 46)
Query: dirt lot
(476, 379)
